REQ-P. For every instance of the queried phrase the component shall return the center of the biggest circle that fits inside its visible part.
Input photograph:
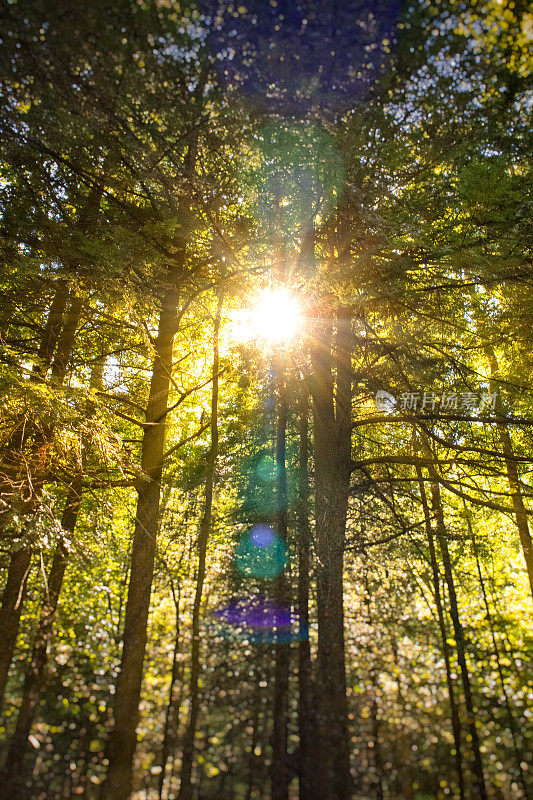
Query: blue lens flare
(259, 621)
(262, 535)
(267, 469)
(261, 553)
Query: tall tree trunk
(54, 336)
(332, 457)
(280, 766)
(186, 787)
(479, 789)
(14, 773)
(13, 597)
(12, 602)
(14, 593)
(174, 700)
(65, 345)
(45, 353)
(123, 738)
(508, 708)
(521, 516)
(51, 329)
(306, 717)
(454, 711)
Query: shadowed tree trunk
(508, 707)
(13, 598)
(58, 336)
(123, 738)
(332, 458)
(12, 602)
(51, 329)
(19, 565)
(479, 791)
(280, 762)
(186, 787)
(306, 717)
(14, 774)
(512, 474)
(454, 711)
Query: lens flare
(259, 621)
(262, 535)
(275, 317)
(261, 553)
(267, 469)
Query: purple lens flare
(262, 535)
(256, 614)
(259, 621)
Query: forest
(266, 369)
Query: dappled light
(266, 397)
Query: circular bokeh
(267, 469)
(261, 553)
(262, 535)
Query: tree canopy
(267, 400)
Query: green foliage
(131, 169)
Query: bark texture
(14, 593)
(521, 516)
(12, 602)
(332, 458)
(479, 790)
(123, 739)
(454, 711)
(306, 716)
(186, 787)
(15, 775)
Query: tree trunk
(14, 774)
(45, 354)
(520, 512)
(508, 708)
(280, 766)
(63, 339)
(65, 345)
(306, 717)
(186, 787)
(12, 602)
(332, 456)
(172, 711)
(479, 789)
(13, 598)
(454, 711)
(51, 329)
(123, 738)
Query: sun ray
(275, 317)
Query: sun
(275, 317)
